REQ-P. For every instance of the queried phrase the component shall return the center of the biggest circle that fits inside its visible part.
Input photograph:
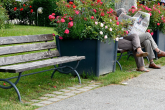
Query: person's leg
(127, 45)
(147, 45)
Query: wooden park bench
(14, 63)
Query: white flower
(101, 24)
(110, 20)
(96, 23)
(101, 32)
(110, 29)
(105, 37)
(106, 27)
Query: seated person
(148, 43)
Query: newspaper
(139, 22)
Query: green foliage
(3, 18)
(48, 6)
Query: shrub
(3, 18)
(48, 6)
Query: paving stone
(62, 97)
(56, 92)
(72, 88)
(54, 99)
(64, 90)
(88, 87)
(38, 104)
(83, 89)
(97, 83)
(43, 98)
(69, 94)
(77, 86)
(76, 91)
(93, 85)
(45, 102)
(27, 102)
(35, 100)
(50, 95)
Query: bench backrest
(23, 44)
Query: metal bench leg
(119, 65)
(53, 73)
(12, 85)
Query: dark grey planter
(100, 57)
(159, 38)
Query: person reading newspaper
(145, 39)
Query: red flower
(70, 24)
(71, 3)
(21, 9)
(102, 13)
(98, 1)
(116, 18)
(74, 6)
(60, 37)
(68, 6)
(158, 3)
(117, 23)
(54, 86)
(53, 34)
(158, 24)
(30, 6)
(85, 19)
(15, 8)
(66, 31)
(31, 11)
(77, 12)
(152, 33)
(53, 14)
(4, 84)
(94, 10)
(70, 18)
(24, 5)
(101, 3)
(148, 30)
(92, 17)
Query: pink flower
(70, 24)
(66, 31)
(149, 9)
(140, 9)
(96, 23)
(53, 14)
(159, 11)
(126, 32)
(105, 37)
(51, 17)
(60, 37)
(94, 10)
(53, 34)
(98, 1)
(148, 30)
(133, 10)
(106, 27)
(92, 17)
(150, 14)
(101, 3)
(62, 20)
(152, 33)
(57, 17)
(116, 18)
(133, 7)
(158, 24)
(77, 12)
(117, 23)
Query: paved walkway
(146, 92)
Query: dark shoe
(162, 54)
(143, 70)
(142, 54)
(154, 66)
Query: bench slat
(26, 48)
(39, 64)
(28, 57)
(25, 39)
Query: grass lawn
(34, 86)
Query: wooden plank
(28, 57)
(39, 64)
(25, 39)
(26, 48)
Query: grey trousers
(149, 44)
(132, 42)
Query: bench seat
(39, 64)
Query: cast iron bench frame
(23, 62)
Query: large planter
(159, 38)
(100, 57)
